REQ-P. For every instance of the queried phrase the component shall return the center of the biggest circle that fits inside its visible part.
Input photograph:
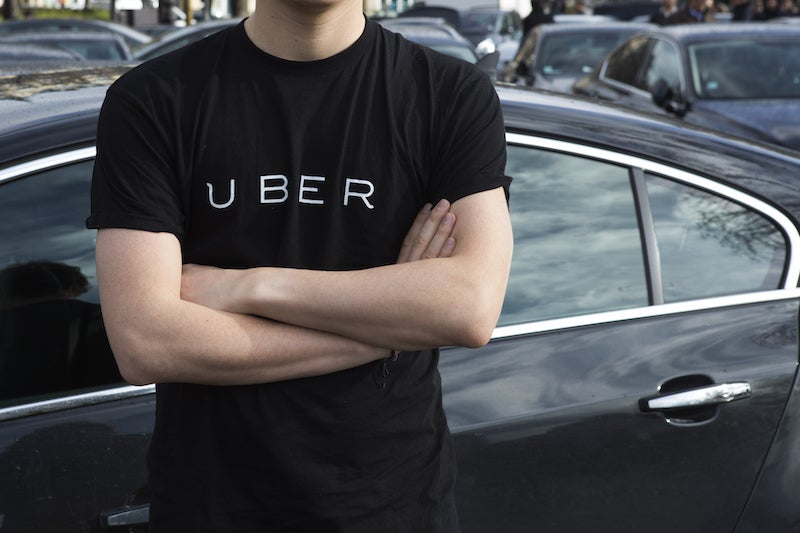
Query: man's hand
(430, 236)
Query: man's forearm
(441, 301)
(158, 337)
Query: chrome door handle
(711, 395)
(130, 515)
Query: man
(252, 194)
(667, 9)
(693, 11)
(538, 15)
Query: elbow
(476, 334)
(134, 372)
(135, 361)
(475, 327)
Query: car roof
(606, 125)
(59, 24)
(723, 31)
(595, 27)
(51, 36)
(33, 99)
(17, 53)
(154, 47)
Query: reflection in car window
(710, 246)
(746, 69)
(663, 64)
(51, 332)
(578, 53)
(577, 247)
(624, 63)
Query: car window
(624, 63)
(578, 246)
(576, 239)
(746, 69)
(710, 246)
(52, 339)
(577, 53)
(662, 63)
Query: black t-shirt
(252, 160)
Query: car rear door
(646, 350)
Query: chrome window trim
(652, 311)
(789, 290)
(75, 400)
(47, 162)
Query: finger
(449, 246)
(429, 230)
(444, 233)
(411, 237)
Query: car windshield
(478, 22)
(746, 69)
(576, 53)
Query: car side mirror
(488, 64)
(664, 97)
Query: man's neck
(305, 30)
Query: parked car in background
(18, 54)
(485, 28)
(555, 56)
(743, 79)
(179, 37)
(488, 28)
(439, 35)
(642, 376)
(94, 46)
(133, 38)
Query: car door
(646, 349)
(73, 436)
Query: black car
(642, 377)
(743, 79)
(440, 36)
(555, 56)
(486, 28)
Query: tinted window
(663, 64)
(743, 69)
(710, 246)
(624, 63)
(577, 246)
(51, 332)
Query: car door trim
(47, 162)
(75, 400)
(790, 231)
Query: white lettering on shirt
(268, 190)
(274, 189)
(231, 195)
(348, 192)
(301, 196)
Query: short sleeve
(135, 183)
(470, 150)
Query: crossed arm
(199, 324)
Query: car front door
(645, 352)
(73, 436)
